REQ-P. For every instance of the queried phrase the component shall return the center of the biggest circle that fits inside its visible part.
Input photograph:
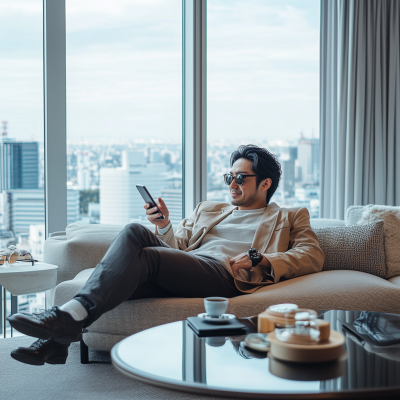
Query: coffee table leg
(4, 311)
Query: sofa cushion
(342, 290)
(357, 248)
(325, 222)
(354, 214)
(83, 246)
(391, 218)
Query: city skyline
(101, 182)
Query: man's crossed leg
(137, 265)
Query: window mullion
(54, 78)
(194, 111)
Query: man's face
(247, 194)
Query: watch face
(255, 256)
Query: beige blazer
(284, 236)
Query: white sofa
(79, 249)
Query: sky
(124, 69)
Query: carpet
(97, 381)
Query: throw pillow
(354, 214)
(358, 248)
(391, 218)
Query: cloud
(124, 68)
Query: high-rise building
(83, 179)
(73, 206)
(288, 177)
(22, 208)
(308, 160)
(6, 237)
(173, 200)
(19, 164)
(120, 202)
(25, 207)
(115, 195)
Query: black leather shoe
(42, 351)
(52, 323)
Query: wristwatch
(255, 256)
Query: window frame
(55, 116)
(194, 108)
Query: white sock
(75, 309)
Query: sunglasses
(239, 178)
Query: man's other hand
(240, 261)
(161, 223)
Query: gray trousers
(139, 265)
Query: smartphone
(148, 199)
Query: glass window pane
(22, 215)
(22, 212)
(123, 108)
(263, 89)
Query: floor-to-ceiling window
(263, 89)
(124, 105)
(124, 108)
(22, 216)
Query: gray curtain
(359, 104)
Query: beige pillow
(391, 218)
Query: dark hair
(265, 165)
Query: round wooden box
(326, 351)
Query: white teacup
(215, 306)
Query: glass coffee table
(173, 357)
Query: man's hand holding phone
(161, 223)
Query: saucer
(219, 320)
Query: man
(220, 250)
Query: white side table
(25, 278)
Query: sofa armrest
(81, 247)
(65, 291)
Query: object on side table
(215, 306)
(378, 329)
(297, 335)
(11, 255)
(303, 328)
(203, 328)
(285, 316)
(222, 319)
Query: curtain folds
(359, 104)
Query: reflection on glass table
(172, 356)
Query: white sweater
(231, 237)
